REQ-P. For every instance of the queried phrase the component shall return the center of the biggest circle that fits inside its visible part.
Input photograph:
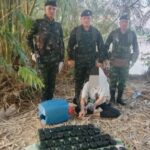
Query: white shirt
(97, 85)
(88, 92)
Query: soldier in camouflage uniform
(84, 47)
(121, 57)
(46, 41)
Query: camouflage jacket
(121, 45)
(85, 44)
(46, 38)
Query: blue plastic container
(53, 111)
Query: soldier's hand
(34, 56)
(60, 67)
(71, 63)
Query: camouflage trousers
(48, 72)
(82, 72)
(118, 77)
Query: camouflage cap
(86, 13)
(52, 3)
(124, 17)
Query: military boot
(119, 98)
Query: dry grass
(133, 126)
(14, 92)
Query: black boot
(119, 98)
(112, 94)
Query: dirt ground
(19, 130)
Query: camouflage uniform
(120, 58)
(82, 49)
(48, 38)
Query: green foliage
(30, 77)
(16, 21)
(24, 20)
(14, 46)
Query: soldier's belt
(117, 62)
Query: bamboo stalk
(27, 7)
(32, 7)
